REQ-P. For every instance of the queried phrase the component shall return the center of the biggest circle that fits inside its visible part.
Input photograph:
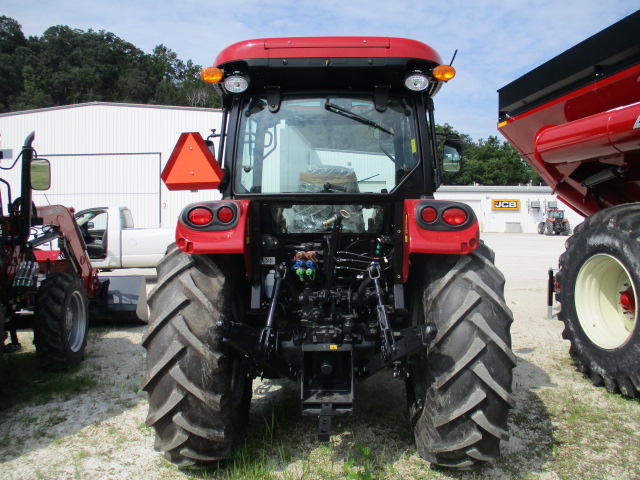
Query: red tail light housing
(443, 215)
(211, 216)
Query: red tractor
(53, 291)
(57, 307)
(555, 223)
(327, 258)
(576, 119)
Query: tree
(488, 162)
(11, 39)
(67, 65)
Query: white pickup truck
(113, 242)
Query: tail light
(454, 216)
(200, 216)
(429, 214)
(225, 214)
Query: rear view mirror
(451, 155)
(40, 174)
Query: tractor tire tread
(188, 379)
(465, 409)
(49, 332)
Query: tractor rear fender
(215, 227)
(439, 227)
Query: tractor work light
(236, 83)
(444, 73)
(416, 81)
(211, 74)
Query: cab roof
(327, 47)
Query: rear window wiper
(332, 107)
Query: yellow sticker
(333, 347)
(413, 146)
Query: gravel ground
(100, 434)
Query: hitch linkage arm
(388, 342)
(268, 338)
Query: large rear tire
(550, 230)
(599, 281)
(199, 392)
(459, 391)
(61, 321)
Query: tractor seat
(96, 251)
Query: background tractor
(555, 223)
(52, 291)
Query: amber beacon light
(211, 74)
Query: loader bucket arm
(62, 220)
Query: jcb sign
(502, 204)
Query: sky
(497, 40)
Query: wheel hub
(627, 301)
(605, 301)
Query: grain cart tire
(459, 390)
(199, 392)
(599, 281)
(61, 320)
(3, 333)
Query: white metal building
(111, 154)
(508, 209)
(108, 154)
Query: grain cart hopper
(576, 119)
(53, 291)
(327, 258)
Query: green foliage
(67, 65)
(488, 162)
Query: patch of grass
(594, 429)
(26, 383)
(361, 465)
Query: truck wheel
(541, 228)
(599, 280)
(199, 391)
(459, 390)
(61, 320)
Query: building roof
(109, 104)
(495, 188)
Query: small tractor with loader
(327, 258)
(53, 291)
(576, 120)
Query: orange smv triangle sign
(191, 165)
